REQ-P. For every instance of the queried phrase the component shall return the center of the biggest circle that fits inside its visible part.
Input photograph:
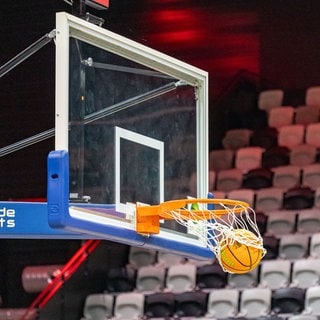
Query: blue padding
(29, 220)
(58, 188)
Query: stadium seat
(312, 97)
(316, 203)
(264, 137)
(244, 280)
(181, 277)
(306, 115)
(235, 139)
(294, 246)
(190, 304)
(121, 279)
(291, 135)
(311, 176)
(305, 273)
(288, 301)
(270, 98)
(271, 244)
(315, 245)
(150, 278)
(281, 222)
(246, 195)
(229, 179)
(211, 276)
(255, 302)
(129, 305)
(275, 274)
(308, 221)
(161, 304)
(98, 306)
(275, 157)
(286, 177)
(248, 158)
(281, 116)
(257, 179)
(303, 154)
(268, 199)
(261, 219)
(312, 300)
(139, 257)
(221, 159)
(168, 259)
(223, 303)
(298, 198)
(313, 134)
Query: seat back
(160, 304)
(288, 300)
(312, 300)
(150, 278)
(98, 306)
(181, 278)
(315, 245)
(286, 177)
(235, 139)
(255, 302)
(294, 246)
(221, 159)
(312, 97)
(313, 134)
(281, 222)
(303, 154)
(306, 115)
(311, 175)
(243, 280)
(306, 273)
(269, 199)
(139, 257)
(269, 99)
(223, 303)
(229, 179)
(275, 274)
(281, 116)
(191, 304)
(129, 305)
(308, 221)
(291, 135)
(248, 158)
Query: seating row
(273, 274)
(284, 177)
(219, 304)
(269, 199)
(287, 254)
(272, 98)
(249, 158)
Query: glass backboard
(131, 126)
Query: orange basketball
(238, 257)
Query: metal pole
(26, 53)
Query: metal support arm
(26, 53)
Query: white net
(218, 231)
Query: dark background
(244, 45)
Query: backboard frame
(59, 213)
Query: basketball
(236, 256)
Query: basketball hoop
(229, 229)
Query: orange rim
(147, 217)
